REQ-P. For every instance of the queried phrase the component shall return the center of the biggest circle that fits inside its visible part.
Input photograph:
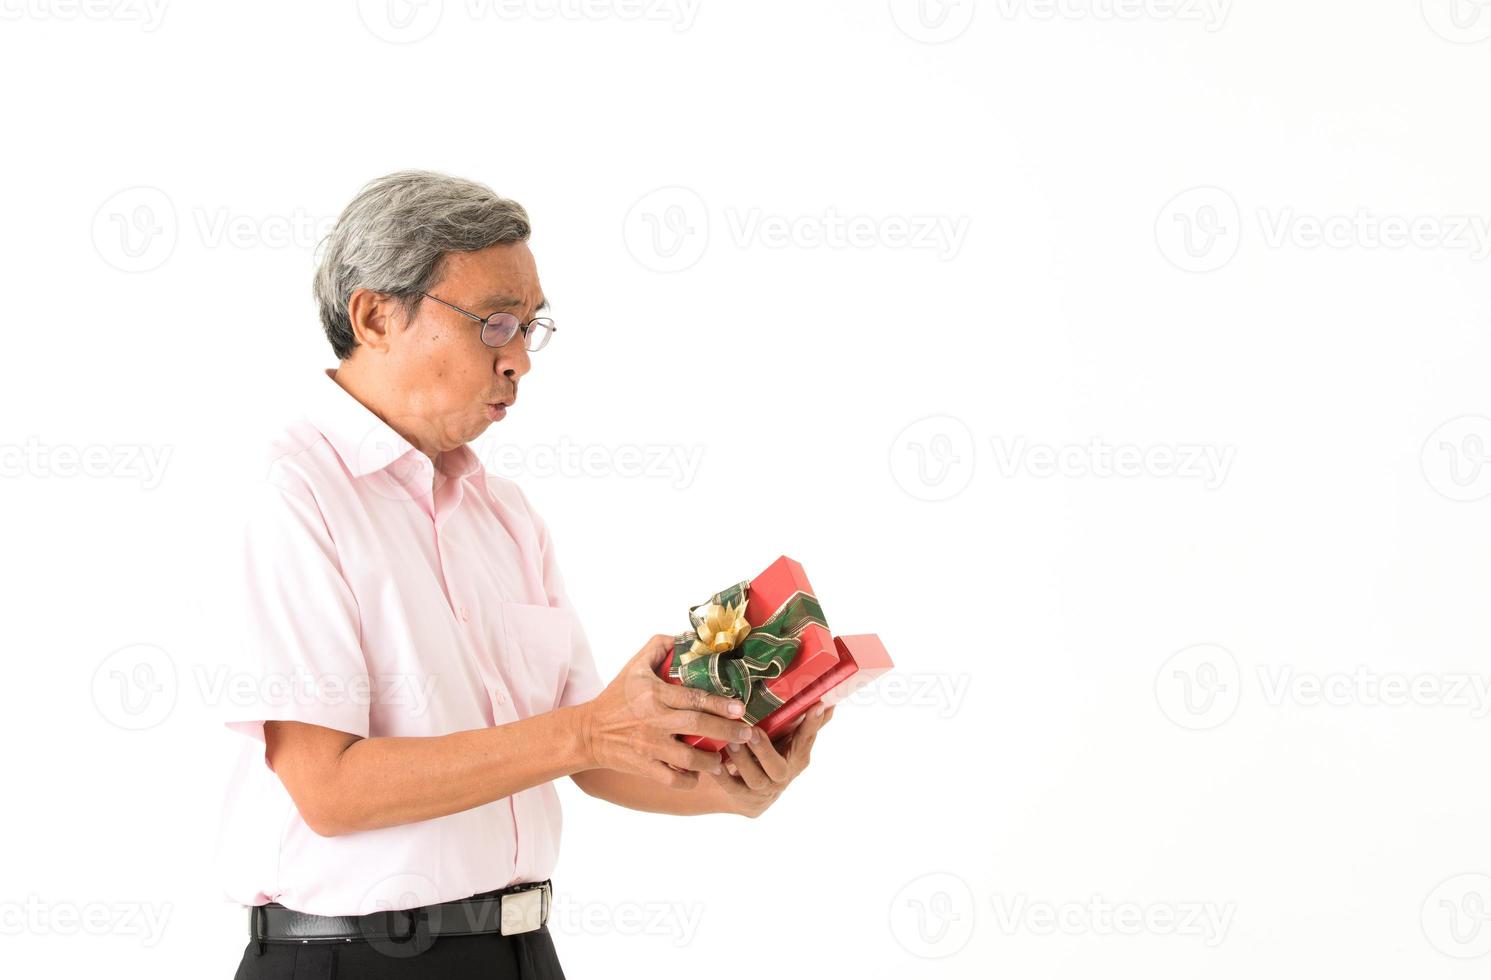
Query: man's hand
(630, 726)
(762, 769)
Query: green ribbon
(765, 653)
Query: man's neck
(377, 399)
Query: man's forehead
(499, 278)
(502, 300)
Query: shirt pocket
(533, 647)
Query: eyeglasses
(498, 329)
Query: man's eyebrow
(502, 301)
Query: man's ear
(375, 318)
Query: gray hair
(393, 235)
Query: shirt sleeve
(301, 655)
(583, 681)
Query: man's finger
(750, 769)
(798, 721)
(734, 785)
(770, 759)
(687, 757)
(803, 738)
(796, 724)
(654, 652)
(672, 778)
(694, 699)
(690, 722)
(812, 721)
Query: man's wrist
(576, 722)
(716, 799)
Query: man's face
(449, 379)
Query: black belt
(509, 911)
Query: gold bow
(721, 629)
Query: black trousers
(526, 956)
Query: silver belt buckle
(524, 911)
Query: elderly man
(421, 676)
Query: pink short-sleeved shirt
(385, 596)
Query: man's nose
(515, 363)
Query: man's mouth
(496, 410)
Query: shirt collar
(367, 444)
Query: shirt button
(465, 614)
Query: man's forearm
(387, 781)
(639, 793)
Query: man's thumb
(654, 652)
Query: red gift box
(862, 658)
(825, 668)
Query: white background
(950, 303)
